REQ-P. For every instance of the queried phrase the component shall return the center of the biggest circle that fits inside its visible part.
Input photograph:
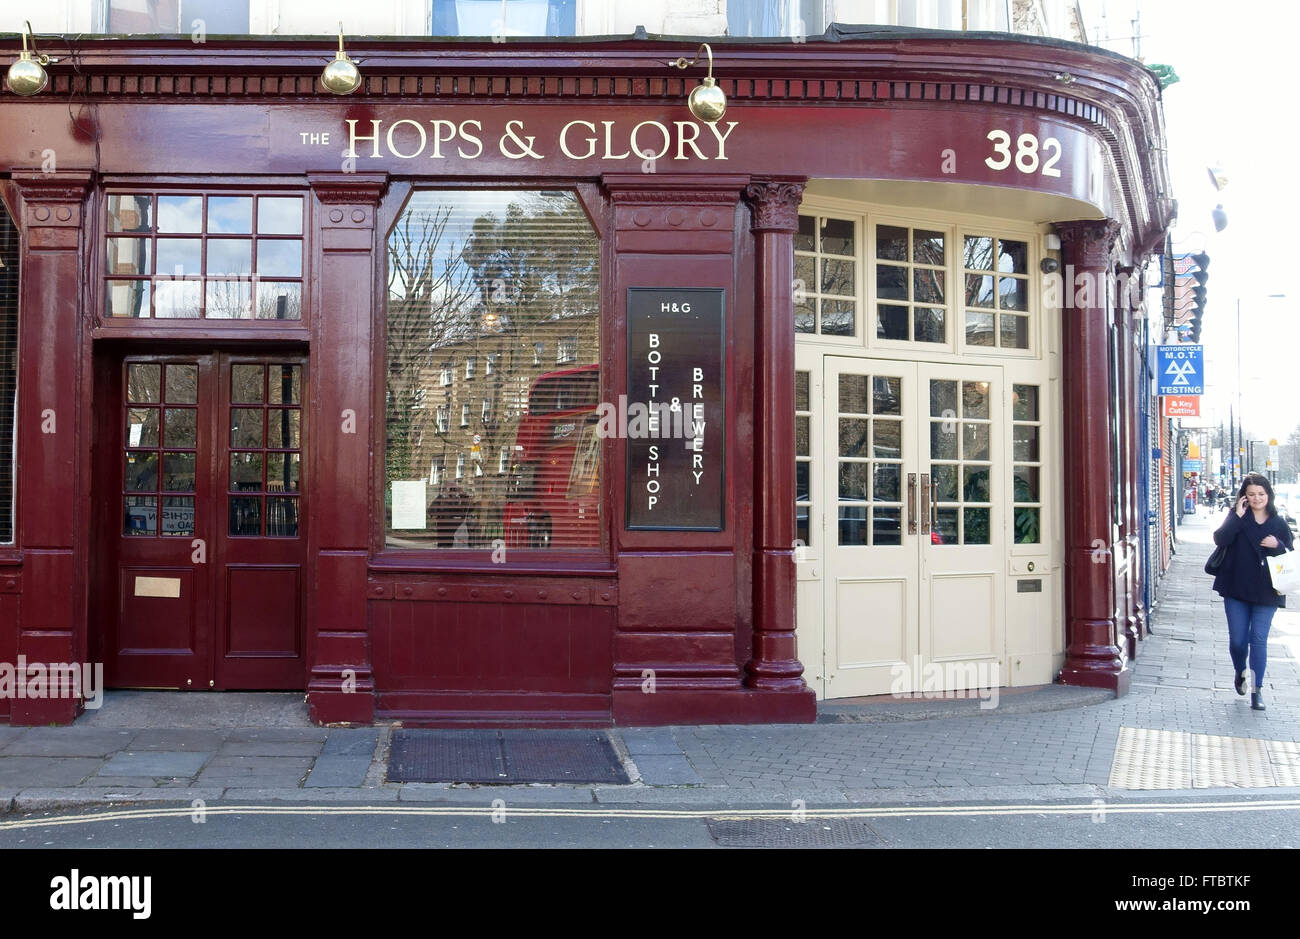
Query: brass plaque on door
(169, 587)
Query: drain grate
(784, 833)
(504, 756)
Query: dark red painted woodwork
(1093, 654)
(426, 638)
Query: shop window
(802, 459)
(1027, 464)
(216, 17)
(775, 17)
(911, 294)
(825, 276)
(996, 272)
(502, 277)
(504, 17)
(189, 256)
(8, 369)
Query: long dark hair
(1255, 479)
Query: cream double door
(912, 472)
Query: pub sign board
(675, 383)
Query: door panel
(961, 563)
(205, 545)
(912, 471)
(870, 532)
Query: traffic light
(1190, 294)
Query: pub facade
(510, 387)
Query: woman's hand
(1268, 542)
(1241, 507)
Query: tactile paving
(1174, 759)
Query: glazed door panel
(207, 541)
(870, 538)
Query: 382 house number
(1027, 155)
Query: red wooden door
(207, 546)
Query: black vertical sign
(674, 416)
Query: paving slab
(351, 742)
(25, 771)
(177, 739)
(68, 741)
(263, 747)
(170, 763)
(333, 771)
(54, 799)
(641, 741)
(252, 796)
(666, 770)
(257, 771)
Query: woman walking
(1252, 531)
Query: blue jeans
(1248, 625)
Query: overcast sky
(1233, 106)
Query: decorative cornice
(348, 188)
(61, 186)
(1087, 243)
(775, 204)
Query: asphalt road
(1255, 820)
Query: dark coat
(1243, 574)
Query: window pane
(279, 258)
(887, 439)
(886, 395)
(943, 398)
(929, 324)
(927, 286)
(853, 394)
(975, 442)
(140, 515)
(180, 428)
(1013, 293)
(801, 391)
(176, 299)
(127, 298)
(978, 253)
(245, 515)
(178, 472)
(891, 243)
(891, 282)
(142, 427)
(279, 215)
(805, 239)
(1014, 332)
(979, 328)
(979, 290)
(230, 256)
(245, 427)
(180, 214)
(245, 472)
(887, 482)
(144, 383)
(230, 214)
(945, 526)
(180, 257)
(801, 435)
(943, 440)
(229, 300)
(127, 256)
(282, 428)
(853, 524)
(975, 484)
(837, 277)
(182, 384)
(853, 482)
(246, 384)
(141, 471)
(891, 322)
(282, 472)
(130, 213)
(285, 384)
(944, 476)
(853, 436)
(975, 399)
(1026, 484)
(837, 236)
(279, 301)
(282, 517)
(1024, 402)
(493, 273)
(1024, 443)
(927, 247)
(838, 317)
(178, 516)
(976, 526)
(805, 317)
(886, 525)
(1027, 525)
(1013, 257)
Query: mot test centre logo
(79, 891)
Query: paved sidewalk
(1181, 727)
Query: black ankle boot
(1257, 700)
(1240, 683)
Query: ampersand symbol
(525, 148)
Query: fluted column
(1093, 654)
(775, 665)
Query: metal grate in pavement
(504, 756)
(1169, 759)
(786, 833)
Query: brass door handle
(927, 522)
(911, 503)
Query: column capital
(53, 201)
(775, 204)
(348, 188)
(1090, 241)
